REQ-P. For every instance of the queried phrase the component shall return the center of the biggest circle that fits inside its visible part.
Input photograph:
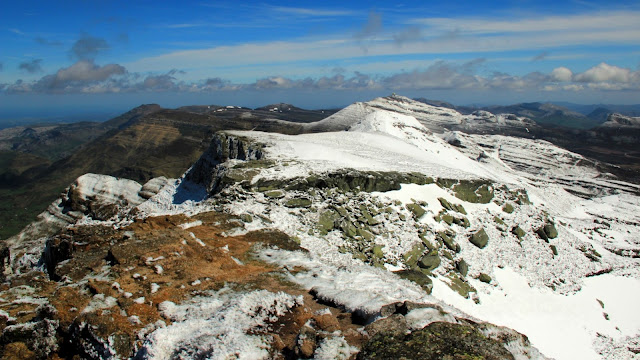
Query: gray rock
(479, 238)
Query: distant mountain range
(563, 114)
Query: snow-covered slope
(434, 118)
(618, 120)
(392, 211)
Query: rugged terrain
(390, 229)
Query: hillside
(387, 238)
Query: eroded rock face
(209, 171)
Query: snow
(561, 326)
(100, 301)
(220, 325)
(335, 347)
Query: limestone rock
(479, 238)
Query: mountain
(376, 233)
(548, 114)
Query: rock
(554, 250)
(462, 267)
(246, 218)
(327, 322)
(417, 210)
(484, 278)
(327, 221)
(541, 234)
(377, 252)
(365, 234)
(448, 241)
(551, 231)
(453, 207)
(438, 340)
(348, 228)
(274, 194)
(508, 208)
(429, 261)
(417, 277)
(479, 238)
(394, 325)
(152, 187)
(306, 342)
(411, 258)
(298, 203)
(518, 232)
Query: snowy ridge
(434, 118)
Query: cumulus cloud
(32, 66)
(605, 73)
(561, 74)
(85, 76)
(88, 47)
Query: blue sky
(115, 54)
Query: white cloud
(605, 73)
(561, 74)
(618, 20)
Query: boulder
(429, 261)
(550, 230)
(417, 277)
(479, 238)
(417, 210)
(518, 232)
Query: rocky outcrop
(209, 170)
(618, 120)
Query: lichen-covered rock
(429, 261)
(453, 207)
(448, 241)
(462, 267)
(436, 341)
(417, 277)
(518, 232)
(411, 257)
(479, 238)
(508, 208)
(298, 203)
(274, 194)
(417, 210)
(484, 278)
(394, 325)
(327, 221)
(551, 231)
(541, 234)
